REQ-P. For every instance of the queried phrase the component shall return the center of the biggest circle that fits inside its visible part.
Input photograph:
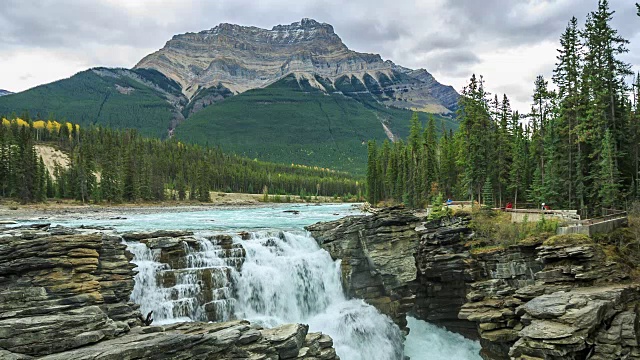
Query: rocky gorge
(65, 293)
(558, 297)
(90, 292)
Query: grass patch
(487, 250)
(568, 239)
(495, 228)
(623, 244)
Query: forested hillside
(291, 94)
(295, 122)
(120, 165)
(115, 98)
(578, 147)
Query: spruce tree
(487, 193)
(566, 76)
(416, 169)
(605, 91)
(503, 158)
(372, 175)
(519, 166)
(608, 177)
(430, 160)
(634, 140)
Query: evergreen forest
(116, 166)
(577, 148)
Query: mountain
(5, 92)
(120, 98)
(292, 94)
(232, 59)
(281, 123)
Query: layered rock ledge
(560, 297)
(377, 254)
(65, 294)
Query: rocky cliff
(377, 258)
(561, 297)
(231, 59)
(64, 294)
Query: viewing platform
(571, 221)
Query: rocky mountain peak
(233, 58)
(304, 24)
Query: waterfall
(201, 290)
(285, 277)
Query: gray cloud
(452, 62)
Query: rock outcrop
(509, 287)
(558, 297)
(377, 258)
(60, 289)
(228, 340)
(65, 294)
(228, 59)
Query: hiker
(509, 206)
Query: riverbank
(67, 208)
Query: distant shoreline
(54, 209)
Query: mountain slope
(240, 58)
(295, 93)
(295, 122)
(5, 92)
(118, 98)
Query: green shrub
(496, 228)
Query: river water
(285, 277)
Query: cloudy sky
(507, 41)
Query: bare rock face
(228, 340)
(64, 294)
(443, 274)
(377, 254)
(592, 322)
(59, 292)
(557, 298)
(231, 59)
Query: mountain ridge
(5, 92)
(239, 58)
(292, 94)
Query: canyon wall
(551, 297)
